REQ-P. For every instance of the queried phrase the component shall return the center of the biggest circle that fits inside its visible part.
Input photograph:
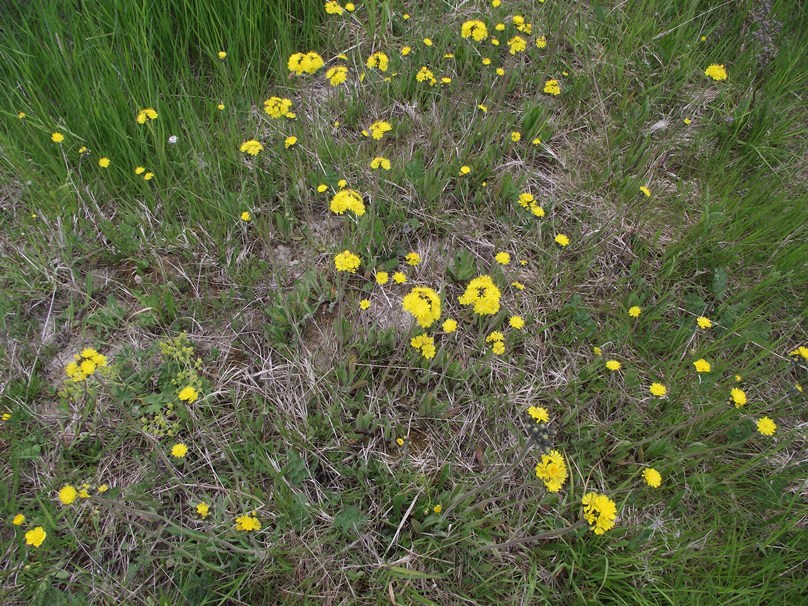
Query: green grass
(303, 395)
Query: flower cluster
(85, 364)
(425, 344)
(600, 512)
(483, 294)
(278, 107)
(528, 202)
(337, 75)
(377, 129)
(378, 60)
(347, 199)
(424, 305)
(497, 341)
(144, 115)
(552, 470)
(347, 261)
(251, 147)
(305, 63)
(476, 30)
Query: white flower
(172, 139)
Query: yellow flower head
(277, 107)
(382, 277)
(188, 393)
(377, 129)
(539, 414)
(476, 30)
(399, 278)
(483, 294)
(337, 75)
(658, 390)
(413, 258)
(552, 470)
(634, 311)
(562, 240)
(503, 258)
(645, 191)
(179, 450)
(465, 169)
(364, 304)
(290, 141)
(222, 54)
(424, 305)
(738, 397)
(36, 536)
(704, 323)
(702, 365)
(599, 511)
(251, 147)
(307, 63)
(426, 75)
(449, 325)
(613, 365)
(247, 523)
(516, 322)
(103, 162)
(766, 426)
(552, 87)
(57, 137)
(18, 520)
(716, 72)
(379, 162)
(652, 477)
(347, 261)
(425, 344)
(378, 60)
(246, 217)
(68, 494)
(541, 42)
(333, 8)
(202, 509)
(517, 44)
(347, 199)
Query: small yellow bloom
(247, 523)
(516, 136)
(634, 311)
(179, 450)
(687, 121)
(646, 192)
(413, 258)
(399, 278)
(220, 106)
(188, 393)
(18, 520)
(562, 240)
(21, 115)
(428, 41)
(103, 162)
(516, 322)
(382, 277)
(738, 397)
(222, 54)
(539, 414)
(148, 176)
(437, 509)
(652, 477)
(503, 258)
(347, 261)
(350, 7)
(405, 50)
(449, 325)
(766, 426)
(500, 71)
(202, 509)
(702, 365)
(35, 536)
(552, 87)
(364, 304)
(464, 170)
(658, 390)
(716, 72)
(57, 137)
(246, 216)
(139, 170)
(597, 351)
(704, 322)
(67, 494)
(541, 42)
(290, 141)
(102, 488)
(613, 365)
(400, 441)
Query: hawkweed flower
(382, 278)
(800, 352)
(103, 162)
(766, 426)
(634, 311)
(364, 304)
(652, 477)
(18, 519)
(202, 510)
(465, 169)
(483, 295)
(413, 259)
(68, 494)
(400, 441)
(307, 63)
(503, 258)
(377, 129)
(716, 72)
(333, 8)
(337, 75)
(645, 191)
(148, 176)
(597, 351)
(57, 137)
(518, 285)
(449, 325)
(704, 322)
(428, 41)
(289, 141)
(220, 107)
(658, 390)
(562, 240)
(599, 511)
(247, 523)
(188, 393)
(179, 450)
(21, 115)
(347, 261)
(145, 115)
(139, 170)
(347, 199)
(552, 87)
(246, 217)
(613, 365)
(516, 136)
(399, 278)
(379, 162)
(350, 7)
(36, 536)
(476, 30)
(516, 322)
(423, 304)
(405, 50)
(500, 71)
(378, 60)
(517, 44)
(425, 344)
(538, 414)
(278, 107)
(85, 364)
(251, 147)
(702, 365)
(541, 42)
(497, 341)
(552, 470)
(738, 397)
(426, 75)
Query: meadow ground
(207, 401)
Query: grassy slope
(305, 394)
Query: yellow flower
(500, 71)
(538, 414)
(378, 60)
(449, 325)
(599, 511)
(382, 277)
(179, 450)
(426, 75)
(405, 16)
(424, 305)
(765, 426)
(364, 304)
(652, 477)
(646, 192)
(516, 136)
(428, 41)
(801, 352)
(562, 240)
(220, 106)
(139, 170)
(18, 520)
(347, 199)
(552, 87)
(704, 322)
(247, 523)
(405, 50)
(536, 141)
(541, 42)
(102, 488)
(437, 508)
(702, 365)
(518, 285)
(222, 54)
(503, 258)
(67, 494)
(57, 137)
(517, 44)
(245, 216)
(486, 61)
(400, 441)
(552, 470)
(635, 311)
(399, 278)
(347, 261)
(290, 141)
(379, 162)
(516, 322)
(202, 509)
(613, 365)
(337, 75)
(308, 63)
(278, 107)
(35, 536)
(188, 393)
(464, 170)
(413, 258)
(148, 176)
(333, 8)
(738, 397)
(476, 30)
(597, 351)
(716, 72)
(687, 121)
(251, 147)
(350, 7)
(425, 344)
(21, 115)
(145, 115)
(483, 294)
(658, 390)
(377, 129)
